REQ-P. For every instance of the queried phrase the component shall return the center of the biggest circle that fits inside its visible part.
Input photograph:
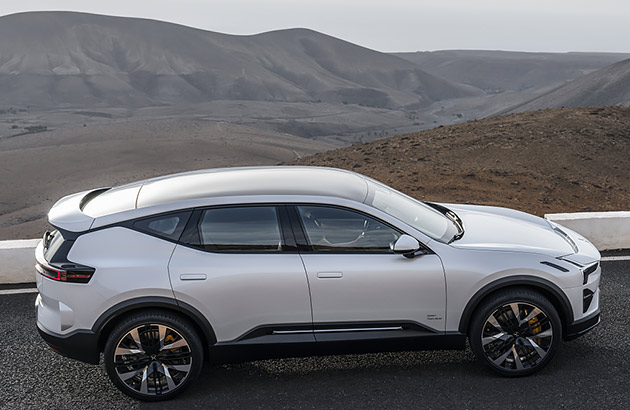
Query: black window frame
(192, 231)
(303, 242)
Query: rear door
(359, 287)
(238, 265)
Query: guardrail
(606, 230)
(17, 261)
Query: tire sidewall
(180, 325)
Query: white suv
(244, 263)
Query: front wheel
(153, 355)
(515, 332)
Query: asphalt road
(591, 372)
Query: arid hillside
(499, 71)
(58, 59)
(558, 160)
(39, 168)
(608, 86)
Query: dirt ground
(558, 160)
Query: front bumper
(582, 326)
(80, 345)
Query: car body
(240, 263)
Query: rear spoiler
(67, 214)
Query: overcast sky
(392, 25)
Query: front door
(359, 285)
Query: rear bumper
(582, 326)
(78, 345)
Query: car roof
(229, 182)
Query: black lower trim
(222, 353)
(78, 345)
(582, 326)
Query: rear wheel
(515, 332)
(153, 355)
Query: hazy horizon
(392, 26)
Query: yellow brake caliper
(168, 340)
(535, 328)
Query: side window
(342, 230)
(240, 229)
(169, 226)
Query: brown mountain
(76, 59)
(559, 160)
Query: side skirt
(232, 352)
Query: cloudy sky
(392, 25)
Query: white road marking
(615, 258)
(17, 291)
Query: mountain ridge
(78, 59)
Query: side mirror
(406, 245)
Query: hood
(488, 227)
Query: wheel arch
(552, 292)
(108, 320)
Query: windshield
(412, 212)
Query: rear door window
(239, 229)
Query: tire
(514, 345)
(139, 361)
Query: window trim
(302, 237)
(193, 229)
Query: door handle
(329, 275)
(193, 276)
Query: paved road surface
(592, 372)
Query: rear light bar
(67, 273)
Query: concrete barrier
(17, 261)
(605, 230)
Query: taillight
(67, 273)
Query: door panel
(237, 271)
(242, 291)
(355, 277)
(377, 287)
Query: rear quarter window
(168, 226)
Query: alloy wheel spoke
(537, 348)
(169, 380)
(136, 338)
(499, 360)
(162, 335)
(493, 321)
(178, 367)
(128, 375)
(545, 334)
(515, 312)
(499, 336)
(144, 384)
(126, 351)
(535, 312)
(517, 359)
(177, 344)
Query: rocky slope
(559, 160)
